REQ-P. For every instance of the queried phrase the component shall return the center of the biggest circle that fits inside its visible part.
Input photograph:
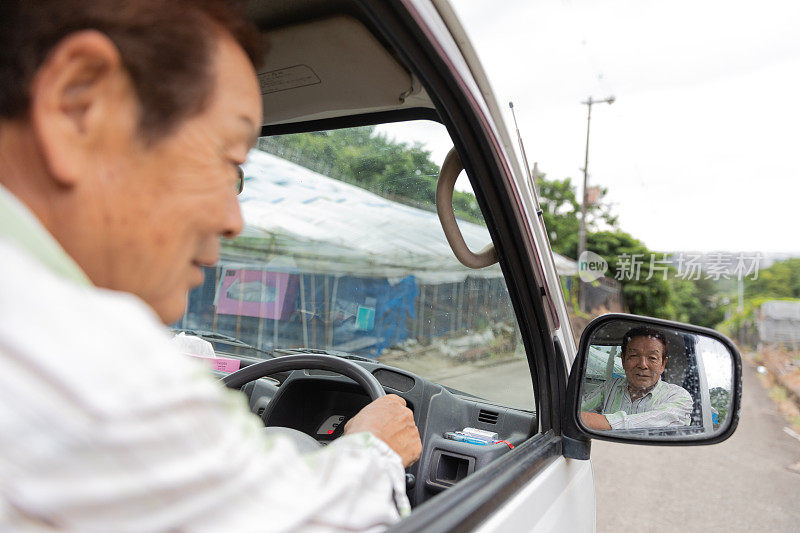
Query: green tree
(362, 156)
(781, 280)
(696, 301)
(650, 297)
(693, 301)
(561, 212)
(720, 399)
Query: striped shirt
(105, 426)
(663, 406)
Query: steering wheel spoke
(304, 442)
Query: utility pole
(582, 231)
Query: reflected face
(644, 362)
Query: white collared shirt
(105, 426)
(664, 405)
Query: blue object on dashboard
(459, 437)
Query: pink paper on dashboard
(222, 364)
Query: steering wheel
(305, 442)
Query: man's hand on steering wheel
(390, 420)
(387, 417)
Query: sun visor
(329, 68)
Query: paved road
(507, 384)
(741, 484)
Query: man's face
(167, 204)
(644, 361)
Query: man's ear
(79, 91)
(663, 363)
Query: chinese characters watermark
(688, 266)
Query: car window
(604, 362)
(342, 250)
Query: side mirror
(650, 381)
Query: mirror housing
(600, 349)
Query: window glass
(603, 363)
(343, 251)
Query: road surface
(742, 484)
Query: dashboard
(317, 408)
(319, 403)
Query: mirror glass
(653, 382)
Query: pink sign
(257, 293)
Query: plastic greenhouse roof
(300, 220)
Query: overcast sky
(700, 151)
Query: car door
(305, 92)
(534, 487)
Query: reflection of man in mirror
(640, 399)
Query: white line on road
(791, 432)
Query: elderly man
(121, 128)
(640, 399)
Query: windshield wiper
(343, 355)
(215, 336)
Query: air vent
(260, 411)
(487, 417)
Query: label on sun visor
(287, 78)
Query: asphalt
(507, 384)
(742, 484)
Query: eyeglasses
(239, 180)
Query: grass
(778, 393)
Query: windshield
(343, 251)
